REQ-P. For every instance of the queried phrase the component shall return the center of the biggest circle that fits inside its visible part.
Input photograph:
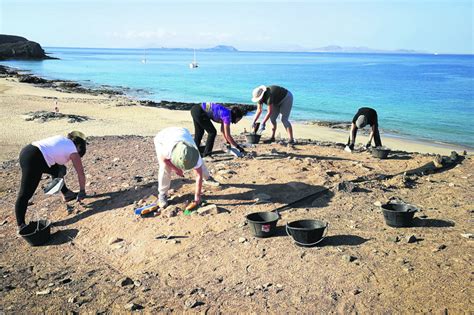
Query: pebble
(209, 209)
(72, 299)
(44, 292)
(411, 239)
(393, 239)
(356, 291)
(439, 248)
(124, 282)
(349, 258)
(192, 303)
(242, 240)
(115, 240)
(468, 235)
(133, 307)
(377, 204)
(250, 292)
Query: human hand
(81, 195)
(261, 128)
(241, 150)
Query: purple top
(217, 112)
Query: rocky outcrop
(187, 106)
(16, 47)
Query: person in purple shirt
(203, 114)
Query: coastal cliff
(16, 47)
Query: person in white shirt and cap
(177, 152)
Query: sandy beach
(103, 258)
(118, 115)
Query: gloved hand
(81, 195)
(252, 128)
(241, 150)
(261, 128)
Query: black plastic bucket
(380, 152)
(307, 232)
(398, 214)
(37, 232)
(262, 224)
(253, 138)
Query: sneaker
(69, 196)
(348, 149)
(162, 202)
(211, 182)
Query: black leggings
(202, 123)
(33, 166)
(377, 140)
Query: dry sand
(110, 117)
(212, 263)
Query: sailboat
(194, 64)
(144, 57)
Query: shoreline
(135, 117)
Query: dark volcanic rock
(16, 47)
(44, 116)
(187, 106)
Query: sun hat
(184, 156)
(361, 121)
(258, 92)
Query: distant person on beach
(49, 156)
(203, 114)
(364, 116)
(176, 153)
(279, 101)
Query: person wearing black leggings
(49, 156)
(203, 114)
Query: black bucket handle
(310, 244)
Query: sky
(442, 26)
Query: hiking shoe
(162, 202)
(69, 196)
(211, 182)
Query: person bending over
(176, 153)
(279, 101)
(49, 156)
(364, 116)
(203, 114)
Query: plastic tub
(262, 224)
(398, 214)
(37, 232)
(307, 232)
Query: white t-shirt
(167, 138)
(56, 150)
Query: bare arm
(197, 194)
(257, 114)
(81, 177)
(269, 113)
(372, 132)
(178, 171)
(227, 136)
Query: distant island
(17, 47)
(340, 49)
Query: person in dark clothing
(49, 156)
(364, 116)
(203, 114)
(279, 101)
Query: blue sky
(443, 26)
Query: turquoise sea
(426, 97)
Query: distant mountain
(17, 47)
(340, 49)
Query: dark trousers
(202, 123)
(33, 166)
(377, 140)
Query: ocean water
(426, 97)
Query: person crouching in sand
(364, 116)
(177, 152)
(49, 156)
(203, 114)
